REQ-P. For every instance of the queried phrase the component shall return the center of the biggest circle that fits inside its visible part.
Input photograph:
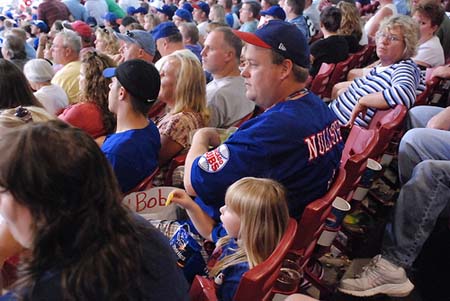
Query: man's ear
(286, 68)
(122, 93)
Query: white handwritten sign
(151, 203)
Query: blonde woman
(350, 25)
(183, 90)
(106, 42)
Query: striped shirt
(398, 83)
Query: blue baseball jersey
(133, 154)
(295, 142)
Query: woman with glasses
(393, 81)
(91, 112)
(82, 242)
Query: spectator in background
(168, 40)
(106, 42)
(76, 9)
(150, 22)
(115, 8)
(14, 88)
(181, 15)
(91, 113)
(333, 48)
(266, 4)
(190, 35)
(350, 27)
(165, 13)
(96, 9)
(65, 50)
(312, 13)
(38, 27)
(20, 33)
(83, 30)
(217, 14)
(51, 10)
(225, 94)
(294, 13)
(126, 22)
(248, 16)
(111, 21)
(385, 10)
(275, 12)
(39, 73)
(201, 16)
(13, 49)
(231, 18)
(429, 16)
(138, 44)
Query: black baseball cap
(140, 78)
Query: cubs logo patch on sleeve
(214, 160)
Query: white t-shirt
(430, 52)
(53, 98)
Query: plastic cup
(372, 170)
(340, 208)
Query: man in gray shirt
(226, 92)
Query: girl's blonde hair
(10, 118)
(350, 22)
(262, 208)
(190, 90)
(112, 43)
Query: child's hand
(180, 197)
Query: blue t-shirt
(158, 260)
(227, 281)
(133, 154)
(295, 142)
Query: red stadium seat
(320, 82)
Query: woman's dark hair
(331, 18)
(96, 87)
(14, 88)
(80, 228)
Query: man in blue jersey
(133, 149)
(296, 141)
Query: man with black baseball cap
(133, 149)
(295, 141)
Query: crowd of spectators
(81, 80)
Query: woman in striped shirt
(393, 81)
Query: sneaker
(378, 277)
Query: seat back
(320, 81)
(312, 221)
(257, 283)
(431, 85)
(358, 148)
(388, 123)
(156, 109)
(146, 183)
(338, 75)
(367, 55)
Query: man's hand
(206, 137)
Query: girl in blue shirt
(254, 217)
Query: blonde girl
(255, 216)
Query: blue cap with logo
(184, 14)
(164, 30)
(140, 37)
(274, 11)
(110, 17)
(282, 37)
(167, 10)
(203, 6)
(41, 25)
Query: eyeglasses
(130, 34)
(390, 38)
